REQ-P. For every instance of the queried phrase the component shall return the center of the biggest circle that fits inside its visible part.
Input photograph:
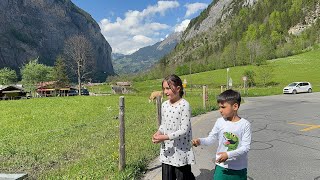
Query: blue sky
(129, 25)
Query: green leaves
(59, 73)
(33, 73)
(7, 76)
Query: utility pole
(227, 78)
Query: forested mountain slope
(236, 32)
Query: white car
(297, 87)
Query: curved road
(285, 139)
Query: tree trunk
(79, 80)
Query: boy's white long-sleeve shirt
(234, 138)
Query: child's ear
(235, 106)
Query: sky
(129, 25)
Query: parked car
(297, 87)
(73, 92)
(84, 92)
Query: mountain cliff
(39, 28)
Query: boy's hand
(195, 142)
(222, 158)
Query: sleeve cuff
(171, 136)
(201, 141)
(229, 155)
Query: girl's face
(227, 110)
(172, 93)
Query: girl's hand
(155, 137)
(159, 138)
(222, 158)
(155, 141)
(195, 142)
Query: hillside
(39, 28)
(235, 33)
(302, 67)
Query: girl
(175, 132)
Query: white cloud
(136, 29)
(194, 8)
(182, 26)
(141, 39)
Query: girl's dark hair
(174, 80)
(230, 96)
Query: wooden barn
(12, 92)
(121, 88)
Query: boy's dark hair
(230, 96)
(174, 80)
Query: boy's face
(227, 110)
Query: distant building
(122, 88)
(126, 84)
(46, 89)
(50, 89)
(9, 92)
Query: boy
(234, 136)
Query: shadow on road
(205, 174)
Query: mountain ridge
(144, 58)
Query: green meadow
(78, 137)
(74, 137)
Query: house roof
(46, 84)
(10, 88)
(123, 83)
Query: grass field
(302, 67)
(77, 137)
(74, 137)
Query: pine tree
(60, 73)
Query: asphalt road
(285, 139)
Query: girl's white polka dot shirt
(176, 123)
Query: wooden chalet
(50, 89)
(122, 88)
(9, 92)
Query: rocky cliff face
(173, 38)
(309, 20)
(218, 12)
(39, 28)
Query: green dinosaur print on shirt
(231, 142)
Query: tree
(7, 76)
(79, 57)
(250, 74)
(182, 70)
(295, 11)
(250, 37)
(242, 53)
(59, 73)
(265, 73)
(33, 73)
